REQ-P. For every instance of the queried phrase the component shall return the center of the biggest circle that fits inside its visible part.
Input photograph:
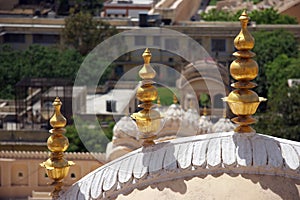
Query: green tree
(269, 45)
(283, 114)
(267, 16)
(283, 119)
(93, 140)
(36, 61)
(271, 16)
(278, 72)
(83, 33)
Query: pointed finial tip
(204, 111)
(244, 16)
(224, 113)
(147, 56)
(146, 52)
(175, 100)
(191, 104)
(57, 120)
(158, 101)
(57, 101)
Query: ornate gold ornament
(242, 101)
(148, 120)
(57, 167)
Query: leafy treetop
(267, 16)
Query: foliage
(36, 61)
(75, 144)
(266, 16)
(278, 72)
(83, 32)
(213, 2)
(269, 45)
(93, 140)
(63, 7)
(165, 95)
(283, 119)
(283, 114)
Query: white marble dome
(189, 123)
(124, 140)
(205, 125)
(174, 112)
(223, 125)
(172, 121)
(125, 127)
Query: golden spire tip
(175, 100)
(205, 111)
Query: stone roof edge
(113, 185)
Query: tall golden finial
(175, 100)
(242, 101)
(57, 167)
(148, 119)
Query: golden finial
(158, 102)
(224, 113)
(147, 72)
(57, 120)
(148, 119)
(191, 104)
(205, 111)
(57, 167)
(175, 100)
(242, 101)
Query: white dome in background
(174, 112)
(189, 123)
(223, 125)
(125, 127)
(205, 125)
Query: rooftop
(183, 158)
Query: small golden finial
(57, 120)
(158, 102)
(57, 167)
(224, 113)
(205, 111)
(191, 104)
(147, 72)
(175, 100)
(148, 119)
(242, 101)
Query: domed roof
(189, 122)
(125, 127)
(125, 133)
(174, 111)
(159, 107)
(223, 125)
(197, 156)
(205, 125)
(173, 119)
